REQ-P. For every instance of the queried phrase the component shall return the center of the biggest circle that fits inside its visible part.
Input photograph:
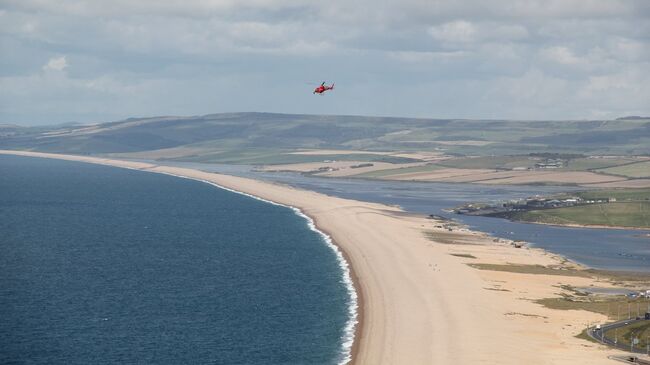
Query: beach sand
(418, 303)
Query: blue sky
(98, 61)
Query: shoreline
(417, 303)
(353, 325)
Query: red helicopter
(322, 88)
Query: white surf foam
(347, 339)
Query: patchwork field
(485, 176)
(440, 174)
(618, 194)
(400, 170)
(337, 152)
(553, 177)
(298, 132)
(492, 162)
(337, 168)
(523, 169)
(597, 162)
(603, 153)
(639, 169)
(632, 184)
(625, 214)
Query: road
(599, 335)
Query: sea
(103, 265)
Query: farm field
(451, 150)
(626, 214)
(591, 163)
(618, 194)
(636, 170)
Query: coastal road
(606, 338)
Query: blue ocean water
(100, 265)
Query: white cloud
(56, 64)
(561, 55)
(464, 33)
(534, 89)
(629, 49)
(574, 49)
(418, 57)
(457, 31)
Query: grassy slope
(641, 330)
(504, 163)
(582, 164)
(601, 165)
(624, 214)
(607, 305)
(640, 169)
(615, 307)
(270, 157)
(490, 162)
(281, 132)
(619, 194)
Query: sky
(98, 61)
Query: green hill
(247, 137)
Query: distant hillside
(228, 137)
(632, 117)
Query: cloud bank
(530, 59)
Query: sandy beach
(420, 304)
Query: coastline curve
(349, 331)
